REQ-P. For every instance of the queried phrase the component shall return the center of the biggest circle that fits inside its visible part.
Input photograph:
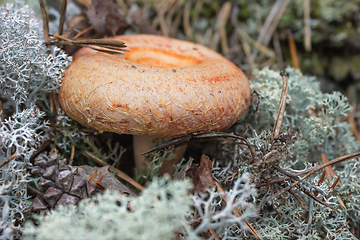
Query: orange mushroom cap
(162, 86)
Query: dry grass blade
(312, 171)
(307, 28)
(281, 111)
(62, 16)
(293, 52)
(247, 50)
(118, 173)
(93, 176)
(256, 44)
(270, 24)
(223, 17)
(45, 18)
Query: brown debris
(201, 175)
(143, 26)
(106, 18)
(108, 179)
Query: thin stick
(72, 155)
(339, 229)
(119, 173)
(213, 234)
(2, 114)
(224, 15)
(314, 170)
(83, 32)
(12, 157)
(247, 51)
(34, 190)
(280, 115)
(45, 18)
(256, 44)
(62, 16)
(307, 28)
(184, 139)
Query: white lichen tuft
(159, 213)
(27, 70)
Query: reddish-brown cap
(163, 86)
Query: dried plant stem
(72, 155)
(307, 28)
(34, 190)
(281, 111)
(83, 32)
(12, 157)
(293, 52)
(62, 16)
(223, 17)
(312, 171)
(2, 115)
(104, 45)
(45, 18)
(119, 173)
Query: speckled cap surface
(162, 86)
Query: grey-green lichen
(159, 213)
(29, 71)
(317, 120)
(163, 210)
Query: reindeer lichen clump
(29, 71)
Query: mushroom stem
(143, 143)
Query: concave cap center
(160, 58)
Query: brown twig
(83, 32)
(213, 234)
(2, 114)
(312, 171)
(184, 139)
(104, 45)
(71, 160)
(45, 18)
(62, 16)
(281, 111)
(339, 229)
(119, 173)
(34, 190)
(12, 157)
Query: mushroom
(162, 87)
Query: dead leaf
(109, 180)
(143, 26)
(106, 18)
(201, 175)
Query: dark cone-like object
(60, 183)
